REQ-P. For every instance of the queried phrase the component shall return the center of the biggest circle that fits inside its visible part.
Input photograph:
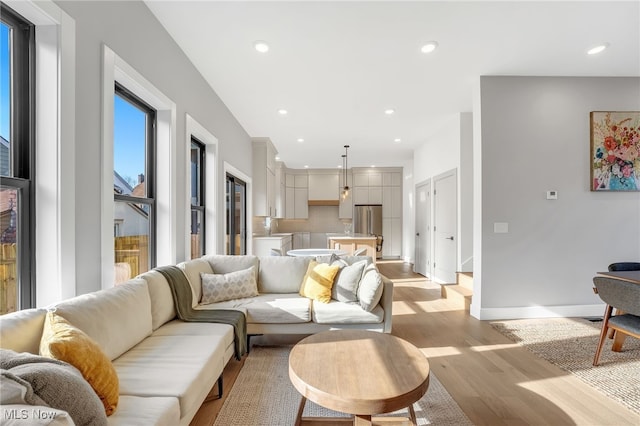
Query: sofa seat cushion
(282, 274)
(116, 318)
(336, 312)
(183, 328)
(182, 366)
(270, 308)
(146, 411)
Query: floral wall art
(615, 151)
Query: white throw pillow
(345, 285)
(370, 288)
(233, 285)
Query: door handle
(417, 234)
(450, 238)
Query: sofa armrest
(386, 301)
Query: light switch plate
(500, 227)
(552, 195)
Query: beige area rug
(263, 395)
(570, 343)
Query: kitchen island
(352, 242)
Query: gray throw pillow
(345, 285)
(370, 288)
(58, 384)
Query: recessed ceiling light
(282, 111)
(300, 140)
(373, 165)
(339, 166)
(397, 140)
(597, 49)
(429, 47)
(306, 166)
(261, 46)
(277, 158)
(389, 111)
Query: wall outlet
(552, 195)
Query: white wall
(134, 34)
(535, 137)
(451, 148)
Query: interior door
(445, 226)
(423, 229)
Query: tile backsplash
(321, 219)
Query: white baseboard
(521, 312)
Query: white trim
(116, 69)
(196, 130)
(228, 168)
(54, 186)
(563, 311)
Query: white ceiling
(336, 66)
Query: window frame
(22, 148)
(150, 166)
(201, 207)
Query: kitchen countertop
(277, 235)
(342, 236)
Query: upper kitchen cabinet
(264, 177)
(323, 188)
(297, 196)
(281, 192)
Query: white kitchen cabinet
(264, 189)
(367, 195)
(296, 196)
(262, 245)
(301, 240)
(391, 179)
(301, 203)
(392, 201)
(360, 195)
(280, 193)
(392, 234)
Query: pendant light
(345, 190)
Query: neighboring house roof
(120, 185)
(4, 157)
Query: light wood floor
(495, 381)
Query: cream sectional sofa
(166, 367)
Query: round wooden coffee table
(358, 372)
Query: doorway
(423, 230)
(445, 227)
(236, 216)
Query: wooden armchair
(625, 297)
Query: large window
(17, 106)
(133, 185)
(236, 200)
(198, 180)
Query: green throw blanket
(182, 297)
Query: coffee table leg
(361, 420)
(303, 401)
(412, 415)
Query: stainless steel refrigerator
(367, 219)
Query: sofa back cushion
(116, 318)
(282, 274)
(163, 309)
(21, 331)
(192, 269)
(223, 264)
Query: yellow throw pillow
(318, 280)
(62, 341)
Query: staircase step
(465, 279)
(457, 294)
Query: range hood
(324, 202)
